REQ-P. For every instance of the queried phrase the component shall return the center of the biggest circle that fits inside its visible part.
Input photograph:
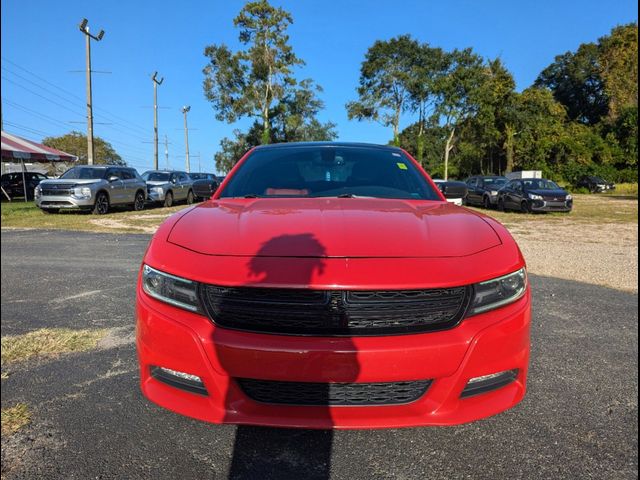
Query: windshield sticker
(401, 166)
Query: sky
(43, 59)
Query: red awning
(15, 149)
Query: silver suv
(168, 186)
(94, 188)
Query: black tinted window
(155, 176)
(327, 171)
(84, 173)
(127, 174)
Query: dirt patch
(120, 225)
(599, 254)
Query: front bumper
(492, 342)
(549, 206)
(155, 196)
(67, 201)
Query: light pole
(84, 28)
(156, 82)
(185, 109)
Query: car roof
(327, 144)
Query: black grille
(333, 394)
(334, 312)
(62, 189)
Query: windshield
(540, 184)
(156, 176)
(329, 171)
(202, 176)
(495, 182)
(84, 173)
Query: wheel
(101, 206)
(486, 202)
(190, 197)
(168, 199)
(501, 204)
(138, 204)
(464, 201)
(50, 210)
(525, 207)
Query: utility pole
(156, 82)
(185, 109)
(84, 28)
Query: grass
(624, 189)
(19, 214)
(48, 342)
(14, 418)
(598, 209)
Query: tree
(575, 80)
(458, 94)
(428, 67)
(75, 143)
(248, 82)
(618, 68)
(385, 80)
(293, 119)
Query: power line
(44, 80)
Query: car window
(183, 177)
(540, 184)
(152, 176)
(84, 173)
(328, 171)
(495, 183)
(114, 172)
(126, 174)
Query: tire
(486, 202)
(50, 210)
(138, 203)
(168, 199)
(190, 198)
(464, 201)
(501, 204)
(525, 207)
(101, 207)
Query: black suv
(534, 195)
(483, 190)
(12, 183)
(594, 184)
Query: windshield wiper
(251, 195)
(347, 195)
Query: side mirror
(174, 180)
(113, 178)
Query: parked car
(95, 188)
(453, 191)
(332, 275)
(169, 186)
(595, 184)
(204, 185)
(14, 186)
(483, 190)
(534, 195)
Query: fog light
(182, 380)
(487, 383)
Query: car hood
(65, 181)
(157, 183)
(333, 227)
(549, 193)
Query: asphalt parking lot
(579, 419)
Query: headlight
(82, 192)
(170, 289)
(157, 190)
(499, 291)
(494, 193)
(533, 196)
(37, 191)
(569, 197)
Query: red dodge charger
(330, 285)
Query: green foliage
(250, 81)
(75, 143)
(386, 78)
